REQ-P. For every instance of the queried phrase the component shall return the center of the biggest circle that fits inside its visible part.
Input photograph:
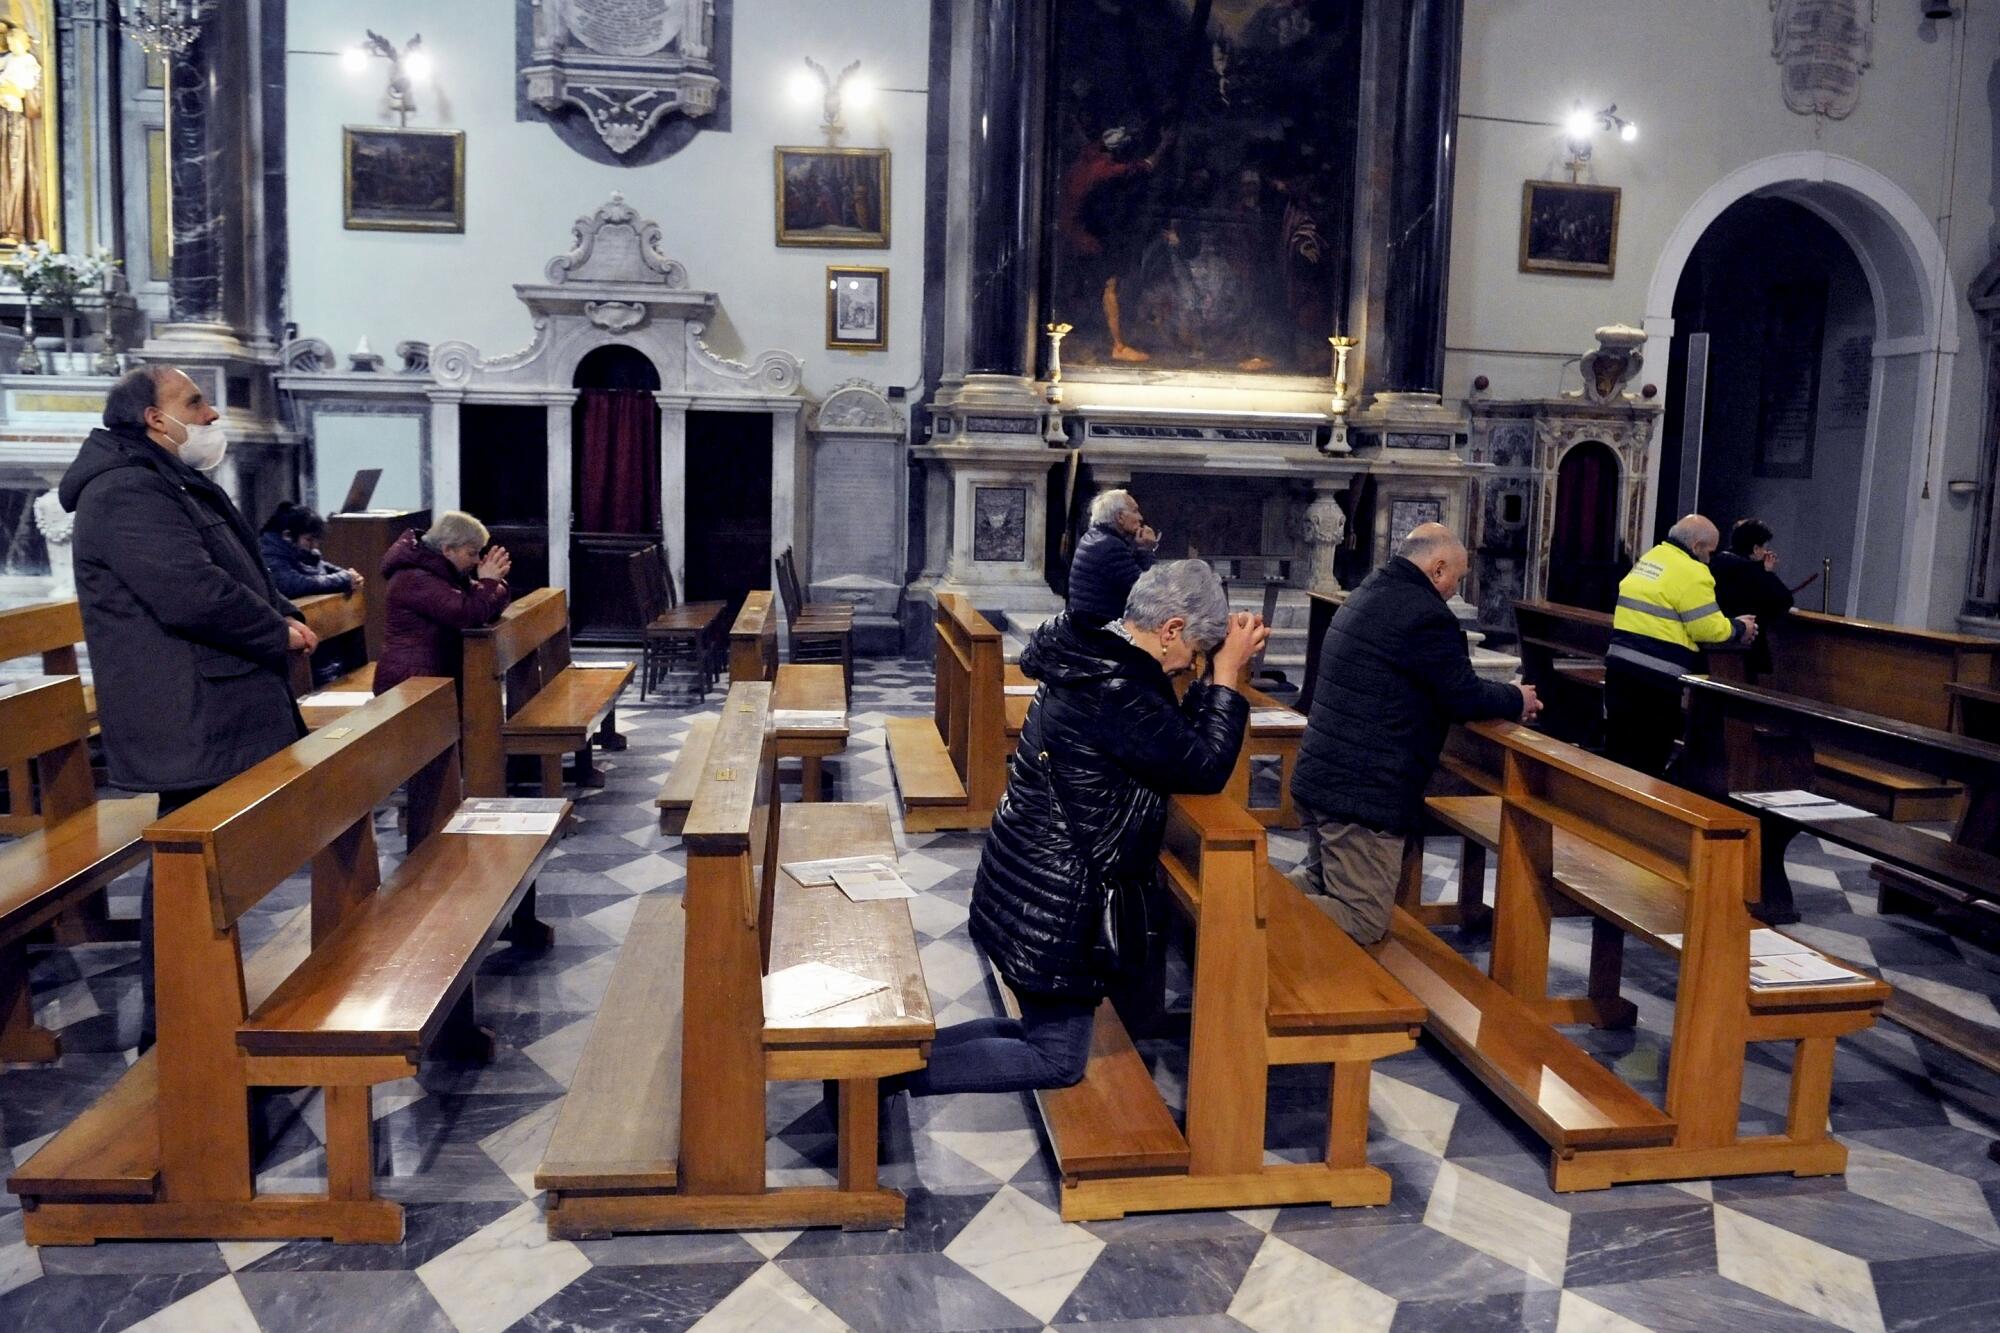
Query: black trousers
(1642, 717)
(170, 801)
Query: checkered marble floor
(1472, 1238)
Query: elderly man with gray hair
(1105, 744)
(1394, 674)
(1115, 550)
(440, 584)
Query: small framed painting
(857, 308)
(404, 180)
(833, 197)
(1569, 229)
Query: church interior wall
(1703, 86)
(525, 187)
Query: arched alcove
(1584, 557)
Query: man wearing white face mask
(189, 641)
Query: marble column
(1419, 230)
(673, 483)
(1009, 49)
(561, 411)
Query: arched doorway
(615, 486)
(1775, 314)
(1913, 345)
(1584, 560)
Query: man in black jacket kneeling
(1394, 674)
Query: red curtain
(1587, 505)
(618, 462)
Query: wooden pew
(819, 689)
(1748, 739)
(1566, 822)
(166, 1152)
(522, 696)
(1018, 694)
(1320, 611)
(753, 639)
(663, 1127)
(1275, 983)
(81, 845)
(340, 619)
(952, 766)
(1562, 656)
(50, 631)
(1890, 670)
(1275, 734)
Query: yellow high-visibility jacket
(1666, 612)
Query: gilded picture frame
(835, 198)
(857, 308)
(1569, 229)
(402, 180)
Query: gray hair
(1693, 530)
(1185, 588)
(1110, 506)
(455, 528)
(1426, 541)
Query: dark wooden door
(728, 506)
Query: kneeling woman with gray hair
(1105, 744)
(439, 585)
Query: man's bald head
(1700, 536)
(1436, 550)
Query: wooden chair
(753, 639)
(951, 767)
(819, 631)
(81, 844)
(522, 696)
(799, 689)
(1275, 983)
(1578, 834)
(679, 638)
(166, 1152)
(663, 1127)
(50, 631)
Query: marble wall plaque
(855, 500)
(1000, 523)
(623, 81)
(1407, 514)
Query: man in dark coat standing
(1115, 550)
(1394, 674)
(189, 641)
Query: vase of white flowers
(54, 279)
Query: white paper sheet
(872, 885)
(1022, 691)
(1781, 800)
(1812, 814)
(1284, 718)
(808, 719)
(809, 988)
(1799, 969)
(812, 874)
(1764, 943)
(536, 816)
(600, 666)
(336, 699)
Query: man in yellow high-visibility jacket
(1666, 615)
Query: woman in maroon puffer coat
(439, 585)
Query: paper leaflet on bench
(807, 988)
(1278, 718)
(1021, 691)
(1778, 960)
(538, 816)
(336, 699)
(1801, 805)
(808, 719)
(812, 874)
(874, 884)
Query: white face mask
(202, 447)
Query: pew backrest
(42, 718)
(970, 703)
(329, 615)
(1851, 730)
(49, 630)
(753, 639)
(1891, 670)
(256, 829)
(505, 664)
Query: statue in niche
(626, 64)
(22, 171)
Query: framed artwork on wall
(1569, 229)
(857, 308)
(834, 197)
(403, 180)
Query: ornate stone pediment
(627, 65)
(857, 408)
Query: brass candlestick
(1343, 346)
(1057, 332)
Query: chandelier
(161, 27)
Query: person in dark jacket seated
(289, 545)
(1394, 674)
(1105, 744)
(1115, 550)
(1747, 584)
(439, 585)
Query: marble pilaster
(673, 482)
(445, 449)
(561, 410)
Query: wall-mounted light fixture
(834, 93)
(407, 68)
(1581, 126)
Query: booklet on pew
(601, 666)
(1801, 805)
(535, 815)
(807, 988)
(1764, 943)
(813, 874)
(1779, 971)
(1021, 691)
(1278, 717)
(872, 884)
(336, 699)
(808, 719)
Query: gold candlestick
(1343, 346)
(1057, 332)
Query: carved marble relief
(999, 523)
(625, 66)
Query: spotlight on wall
(407, 67)
(1582, 125)
(830, 89)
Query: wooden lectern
(359, 541)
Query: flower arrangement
(56, 277)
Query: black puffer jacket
(1101, 573)
(1117, 745)
(1394, 674)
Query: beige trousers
(1357, 870)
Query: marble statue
(57, 526)
(23, 174)
(1325, 528)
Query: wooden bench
(1562, 656)
(81, 845)
(1275, 735)
(797, 689)
(951, 767)
(166, 1152)
(339, 619)
(663, 1127)
(1568, 825)
(1748, 739)
(1893, 671)
(1275, 983)
(753, 639)
(49, 631)
(522, 696)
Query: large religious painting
(833, 197)
(30, 190)
(1202, 182)
(1569, 228)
